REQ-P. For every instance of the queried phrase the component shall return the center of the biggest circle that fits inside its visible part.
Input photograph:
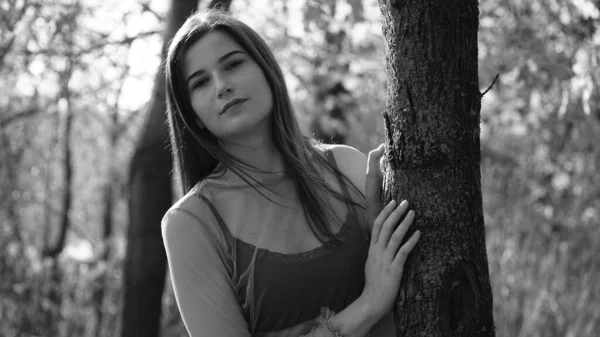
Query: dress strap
(217, 215)
(229, 238)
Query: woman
(271, 237)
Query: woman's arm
(203, 289)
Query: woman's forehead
(208, 51)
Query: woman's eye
(234, 64)
(200, 83)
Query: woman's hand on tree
(385, 263)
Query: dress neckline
(234, 181)
(308, 255)
(264, 252)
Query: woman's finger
(391, 222)
(385, 213)
(403, 252)
(398, 235)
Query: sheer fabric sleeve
(203, 288)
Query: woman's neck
(259, 152)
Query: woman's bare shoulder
(351, 162)
(192, 204)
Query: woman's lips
(234, 103)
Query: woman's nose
(224, 91)
(223, 86)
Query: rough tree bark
(433, 151)
(150, 197)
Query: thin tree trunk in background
(68, 27)
(44, 240)
(116, 129)
(11, 17)
(433, 153)
(9, 184)
(67, 198)
(107, 230)
(54, 278)
(149, 198)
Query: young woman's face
(227, 88)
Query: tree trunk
(108, 200)
(67, 197)
(432, 126)
(68, 26)
(149, 198)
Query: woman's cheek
(200, 106)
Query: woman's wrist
(357, 319)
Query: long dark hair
(197, 152)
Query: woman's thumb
(374, 162)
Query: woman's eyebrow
(221, 59)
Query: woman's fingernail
(404, 203)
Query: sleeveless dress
(277, 294)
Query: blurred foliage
(542, 208)
(540, 153)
